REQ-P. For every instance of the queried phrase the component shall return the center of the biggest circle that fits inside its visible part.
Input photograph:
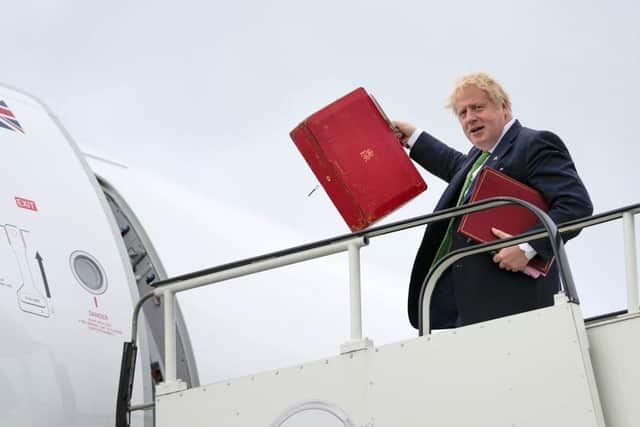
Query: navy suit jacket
(475, 289)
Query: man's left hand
(511, 258)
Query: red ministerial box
(512, 219)
(353, 152)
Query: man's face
(482, 120)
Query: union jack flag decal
(7, 119)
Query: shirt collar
(505, 129)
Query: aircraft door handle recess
(30, 299)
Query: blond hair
(485, 83)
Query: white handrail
(168, 293)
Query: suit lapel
(505, 145)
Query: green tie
(445, 246)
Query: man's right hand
(403, 130)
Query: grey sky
(204, 94)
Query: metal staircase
(543, 367)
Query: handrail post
(357, 342)
(171, 383)
(630, 262)
(355, 292)
(169, 336)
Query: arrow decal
(44, 276)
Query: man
(483, 286)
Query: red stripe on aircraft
(6, 112)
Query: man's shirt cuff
(529, 252)
(414, 137)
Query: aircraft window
(88, 272)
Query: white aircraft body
(75, 260)
(72, 266)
